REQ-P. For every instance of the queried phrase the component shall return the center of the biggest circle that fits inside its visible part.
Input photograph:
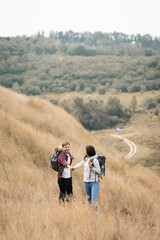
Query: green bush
(102, 90)
(82, 51)
(93, 114)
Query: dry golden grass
(144, 132)
(30, 128)
(125, 98)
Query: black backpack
(102, 160)
(54, 159)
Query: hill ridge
(29, 208)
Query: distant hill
(30, 129)
(71, 62)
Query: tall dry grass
(30, 128)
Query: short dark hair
(90, 150)
(65, 143)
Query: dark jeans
(66, 191)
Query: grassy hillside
(144, 132)
(30, 128)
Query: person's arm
(79, 165)
(96, 167)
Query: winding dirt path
(133, 148)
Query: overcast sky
(18, 17)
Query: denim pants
(92, 190)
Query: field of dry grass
(125, 98)
(30, 128)
(144, 132)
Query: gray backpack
(102, 160)
(54, 159)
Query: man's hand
(68, 166)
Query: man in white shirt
(64, 175)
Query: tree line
(70, 61)
(95, 114)
(98, 38)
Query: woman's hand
(90, 164)
(70, 167)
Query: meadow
(142, 127)
(30, 129)
(144, 132)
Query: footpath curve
(133, 148)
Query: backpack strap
(92, 159)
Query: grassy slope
(125, 98)
(141, 129)
(29, 130)
(144, 134)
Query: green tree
(114, 107)
(73, 87)
(133, 104)
(81, 86)
(93, 88)
(102, 90)
(82, 51)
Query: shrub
(113, 107)
(93, 88)
(102, 90)
(73, 87)
(31, 90)
(82, 51)
(150, 103)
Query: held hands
(71, 168)
(90, 164)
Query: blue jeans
(92, 191)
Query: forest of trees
(94, 113)
(69, 61)
(36, 75)
(88, 62)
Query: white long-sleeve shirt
(90, 174)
